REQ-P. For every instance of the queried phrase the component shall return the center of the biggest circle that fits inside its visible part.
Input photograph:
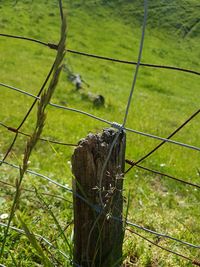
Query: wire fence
(99, 209)
(119, 128)
(113, 124)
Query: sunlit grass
(162, 100)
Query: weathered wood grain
(98, 239)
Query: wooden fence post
(98, 239)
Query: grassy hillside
(162, 100)
(180, 17)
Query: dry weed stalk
(40, 121)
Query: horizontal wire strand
(33, 191)
(105, 121)
(29, 111)
(55, 46)
(166, 140)
(133, 62)
(130, 162)
(40, 238)
(14, 130)
(197, 112)
(163, 248)
(55, 105)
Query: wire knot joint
(117, 126)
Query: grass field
(163, 100)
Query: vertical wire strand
(128, 104)
(138, 61)
(61, 9)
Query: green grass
(162, 100)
